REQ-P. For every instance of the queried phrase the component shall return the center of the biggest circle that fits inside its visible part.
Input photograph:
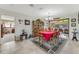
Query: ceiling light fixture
(31, 5)
(41, 8)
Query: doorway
(7, 29)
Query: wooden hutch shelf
(37, 26)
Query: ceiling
(42, 9)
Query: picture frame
(73, 20)
(27, 22)
(73, 24)
(20, 21)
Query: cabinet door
(2, 30)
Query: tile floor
(28, 47)
(71, 47)
(7, 38)
(20, 47)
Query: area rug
(46, 47)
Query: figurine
(74, 35)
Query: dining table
(48, 34)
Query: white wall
(18, 27)
(73, 15)
(28, 28)
(71, 28)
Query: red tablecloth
(47, 34)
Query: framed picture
(73, 20)
(27, 22)
(20, 21)
(73, 24)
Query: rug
(46, 46)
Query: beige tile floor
(20, 47)
(7, 38)
(28, 47)
(71, 47)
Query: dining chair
(40, 39)
(54, 43)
